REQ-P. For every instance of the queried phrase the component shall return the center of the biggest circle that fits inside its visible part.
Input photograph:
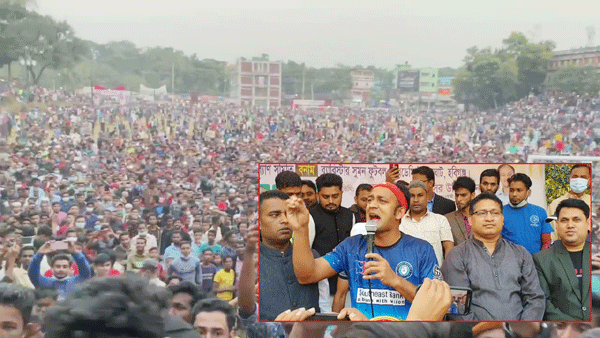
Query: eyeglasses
(483, 213)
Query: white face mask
(80, 225)
(578, 185)
(89, 209)
(520, 205)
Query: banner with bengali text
(445, 175)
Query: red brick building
(363, 81)
(257, 83)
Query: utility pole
(173, 83)
(94, 55)
(92, 85)
(303, 81)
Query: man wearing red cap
(382, 284)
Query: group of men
(502, 249)
(127, 305)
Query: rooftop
(581, 50)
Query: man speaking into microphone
(382, 283)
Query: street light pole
(94, 53)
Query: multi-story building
(428, 80)
(578, 56)
(257, 82)
(363, 81)
(445, 88)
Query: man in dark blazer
(564, 268)
(437, 204)
(464, 193)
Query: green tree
(491, 78)
(123, 56)
(20, 3)
(532, 61)
(447, 72)
(41, 43)
(575, 78)
(10, 14)
(487, 79)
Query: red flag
(119, 88)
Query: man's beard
(337, 207)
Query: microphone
(371, 227)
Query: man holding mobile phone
(61, 264)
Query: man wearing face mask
(579, 181)
(65, 204)
(80, 222)
(60, 264)
(90, 215)
(525, 224)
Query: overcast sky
(426, 33)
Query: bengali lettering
(406, 172)
(307, 170)
(283, 167)
(265, 169)
(452, 171)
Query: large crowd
(169, 190)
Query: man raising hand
(401, 261)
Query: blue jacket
(89, 224)
(62, 286)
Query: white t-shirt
(359, 229)
(150, 241)
(433, 228)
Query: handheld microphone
(371, 227)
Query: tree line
(47, 52)
(491, 78)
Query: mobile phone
(392, 165)
(326, 317)
(27, 240)
(461, 300)
(59, 245)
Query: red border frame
(421, 164)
